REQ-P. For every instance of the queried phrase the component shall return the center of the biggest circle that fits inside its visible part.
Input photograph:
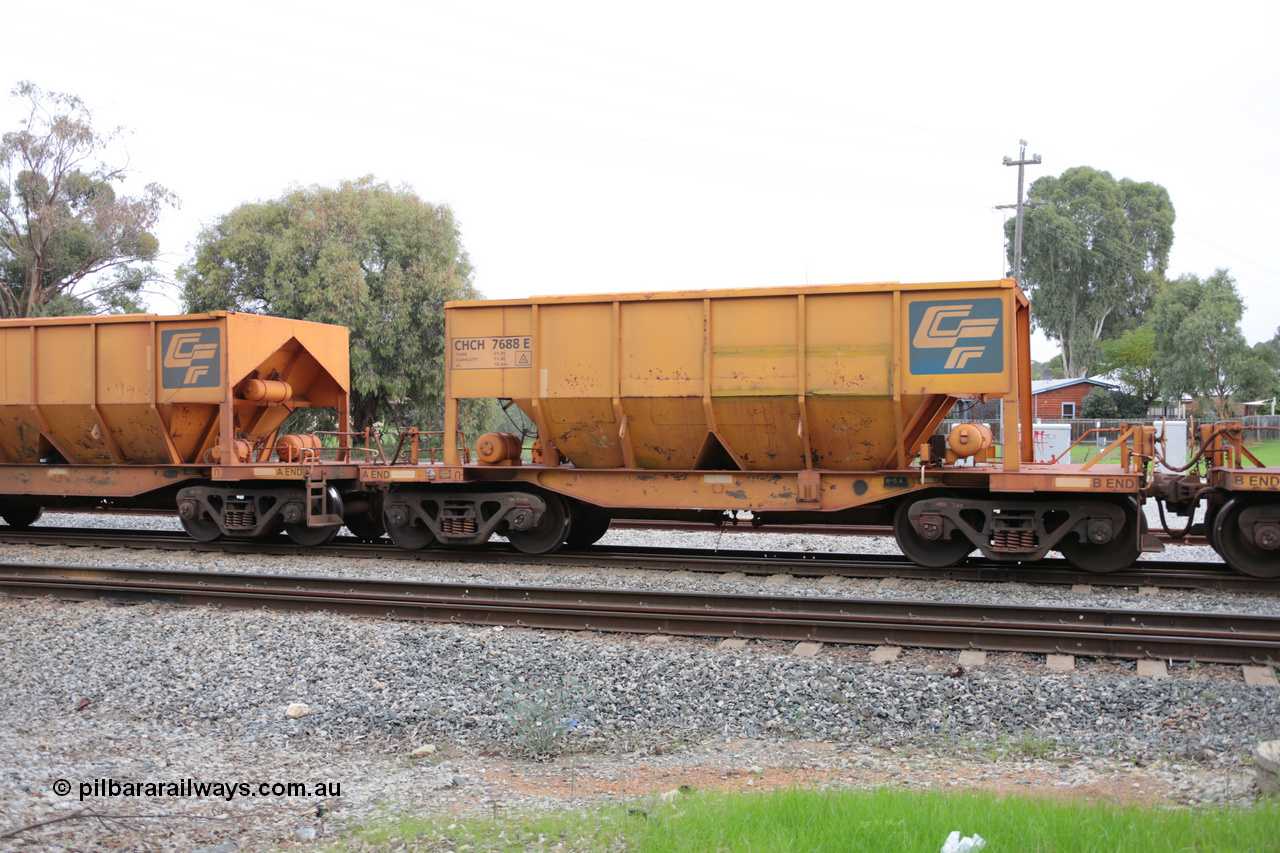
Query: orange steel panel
(1068, 478)
(257, 343)
(846, 377)
(1248, 479)
(1026, 400)
(673, 369)
(125, 392)
(91, 480)
(147, 390)
(844, 358)
(846, 437)
(739, 490)
(764, 432)
(578, 346)
(728, 293)
(19, 436)
(577, 353)
(665, 432)
(753, 347)
(64, 361)
(281, 471)
(484, 341)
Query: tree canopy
(1099, 403)
(1054, 368)
(1094, 252)
(1103, 403)
(69, 242)
(376, 259)
(1131, 357)
(1199, 348)
(1269, 351)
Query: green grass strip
(882, 820)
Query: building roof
(1039, 386)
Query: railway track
(1170, 574)
(697, 527)
(825, 529)
(1207, 637)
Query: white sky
(595, 147)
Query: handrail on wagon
(371, 444)
(368, 442)
(1142, 441)
(1221, 445)
(365, 441)
(412, 436)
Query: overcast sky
(597, 147)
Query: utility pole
(1021, 162)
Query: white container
(1175, 445)
(1050, 441)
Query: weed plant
(543, 717)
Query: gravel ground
(154, 693)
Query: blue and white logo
(957, 337)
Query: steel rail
(1208, 637)
(1171, 574)
(883, 530)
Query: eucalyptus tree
(1131, 359)
(1199, 348)
(70, 241)
(376, 259)
(1094, 253)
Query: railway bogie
(419, 517)
(1099, 535)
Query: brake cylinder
(495, 447)
(969, 439)
(297, 448)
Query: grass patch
(1268, 453)
(884, 819)
(1083, 453)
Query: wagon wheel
(1210, 517)
(1239, 549)
(310, 537)
(547, 536)
(366, 526)
(1119, 553)
(932, 554)
(201, 529)
(21, 516)
(588, 524)
(411, 534)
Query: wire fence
(1256, 427)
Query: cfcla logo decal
(946, 334)
(190, 359)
